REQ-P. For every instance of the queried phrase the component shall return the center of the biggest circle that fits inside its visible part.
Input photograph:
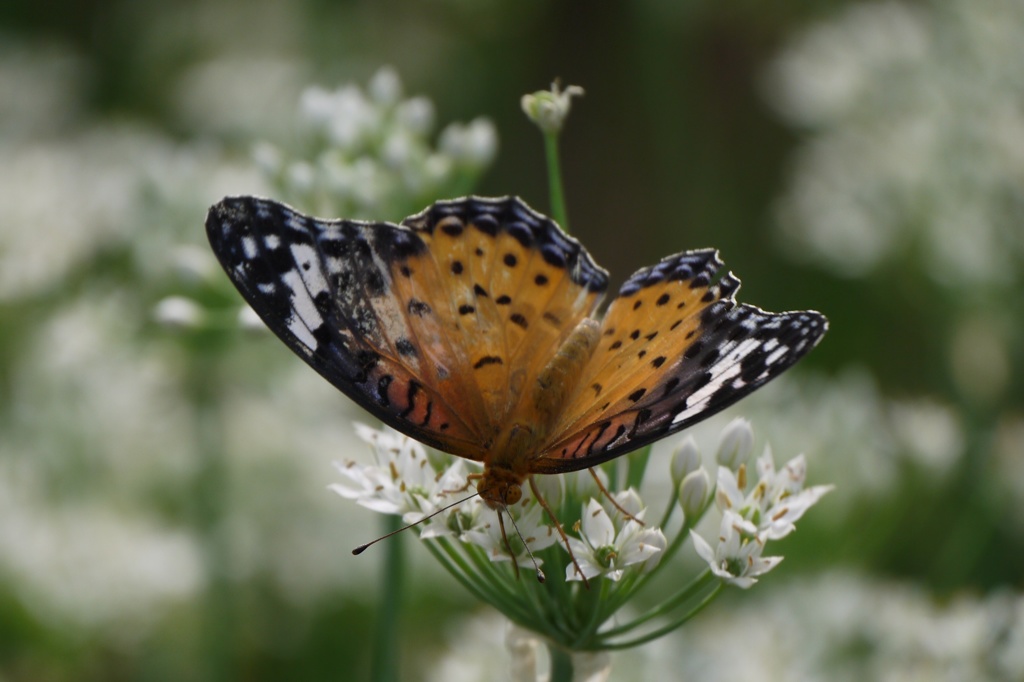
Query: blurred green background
(164, 511)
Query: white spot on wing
(302, 304)
(776, 355)
(312, 277)
(249, 247)
(297, 327)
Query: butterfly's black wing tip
(228, 215)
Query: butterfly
(472, 326)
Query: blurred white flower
(916, 139)
(178, 311)
(248, 319)
(549, 108)
(367, 153)
(473, 145)
(87, 564)
(416, 115)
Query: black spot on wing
(531, 229)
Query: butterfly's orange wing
(435, 326)
(675, 348)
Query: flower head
(549, 108)
(737, 558)
(528, 531)
(776, 501)
(610, 536)
(402, 481)
(603, 549)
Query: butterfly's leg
(611, 499)
(561, 531)
(470, 478)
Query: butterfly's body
(473, 327)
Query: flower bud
(693, 492)
(736, 444)
(685, 459)
(549, 108)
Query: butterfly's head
(500, 487)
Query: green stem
(561, 664)
(210, 494)
(681, 597)
(662, 631)
(384, 663)
(557, 193)
(597, 615)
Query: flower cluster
(750, 519)
(913, 149)
(609, 534)
(366, 153)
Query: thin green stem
(490, 585)
(673, 503)
(681, 597)
(556, 627)
(555, 190)
(458, 571)
(655, 634)
(211, 486)
(598, 615)
(385, 657)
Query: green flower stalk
(549, 110)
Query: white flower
(365, 152)
(473, 144)
(603, 551)
(549, 108)
(784, 500)
(402, 481)
(249, 320)
(385, 86)
(416, 115)
(179, 312)
(486, 532)
(778, 499)
(737, 558)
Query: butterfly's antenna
(504, 536)
(540, 574)
(561, 531)
(362, 548)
